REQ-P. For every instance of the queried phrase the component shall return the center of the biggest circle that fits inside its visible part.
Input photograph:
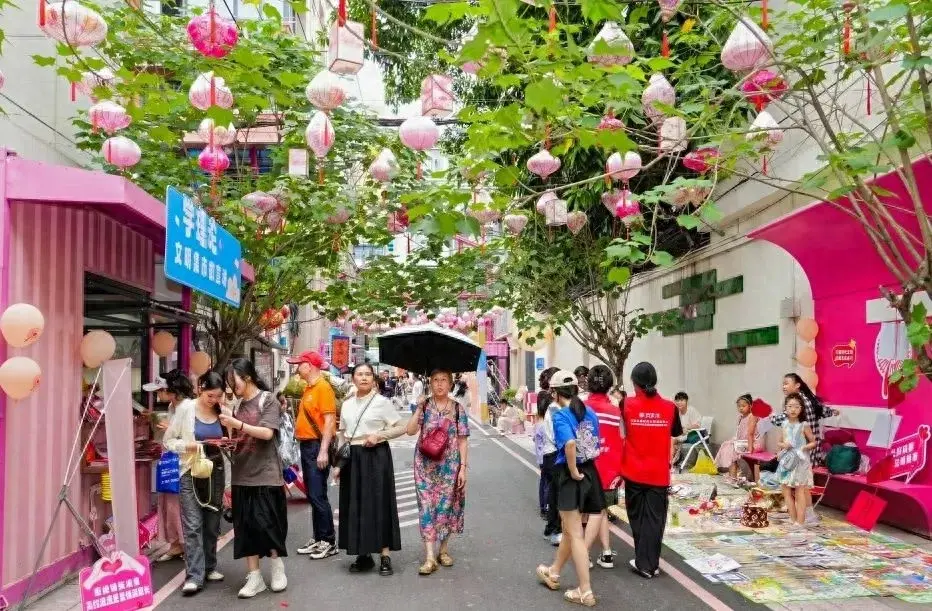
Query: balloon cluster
(21, 325)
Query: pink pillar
(5, 221)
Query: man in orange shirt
(315, 424)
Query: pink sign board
(117, 583)
(909, 453)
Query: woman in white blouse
(368, 509)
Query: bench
(756, 458)
(909, 506)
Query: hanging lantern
(91, 81)
(325, 91)
(702, 159)
(575, 221)
(543, 164)
(668, 8)
(515, 223)
(767, 133)
(611, 199)
(762, 87)
(340, 216)
(609, 122)
(658, 90)
(216, 135)
(555, 212)
(748, 47)
(385, 166)
(121, 152)
(72, 23)
(320, 138)
(623, 167)
(848, 6)
(628, 209)
(481, 209)
(620, 49)
(108, 116)
(208, 90)
(437, 96)
(258, 203)
(542, 202)
(419, 134)
(673, 135)
(213, 160)
(398, 221)
(271, 319)
(345, 54)
(211, 34)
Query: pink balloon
(96, 348)
(807, 329)
(200, 363)
(163, 343)
(19, 377)
(21, 324)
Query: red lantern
(211, 34)
(701, 159)
(762, 87)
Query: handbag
(754, 516)
(787, 460)
(433, 444)
(168, 474)
(332, 448)
(202, 466)
(343, 452)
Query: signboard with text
(340, 351)
(909, 453)
(118, 583)
(199, 253)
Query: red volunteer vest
(648, 439)
(608, 462)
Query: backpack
(843, 459)
(288, 448)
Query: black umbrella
(424, 348)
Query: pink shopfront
(860, 341)
(85, 248)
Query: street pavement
(495, 557)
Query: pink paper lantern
(325, 91)
(485, 215)
(623, 167)
(515, 223)
(545, 198)
(216, 135)
(437, 96)
(259, 203)
(22, 324)
(72, 23)
(20, 377)
(340, 216)
(419, 134)
(611, 199)
(320, 135)
(628, 209)
(702, 159)
(345, 54)
(658, 90)
(762, 87)
(471, 67)
(543, 164)
(673, 137)
(121, 152)
(619, 52)
(555, 213)
(575, 221)
(213, 160)
(766, 131)
(748, 47)
(108, 116)
(208, 90)
(385, 167)
(211, 34)
(668, 8)
(91, 81)
(609, 122)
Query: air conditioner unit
(789, 308)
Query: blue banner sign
(199, 253)
(539, 363)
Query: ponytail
(578, 408)
(644, 376)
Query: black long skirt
(647, 514)
(368, 509)
(260, 521)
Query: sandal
(428, 567)
(577, 596)
(445, 559)
(547, 578)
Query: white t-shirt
(550, 444)
(691, 419)
(417, 391)
(378, 416)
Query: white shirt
(378, 416)
(691, 419)
(417, 390)
(180, 433)
(550, 444)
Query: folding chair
(705, 432)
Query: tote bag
(168, 474)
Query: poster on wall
(845, 355)
(340, 351)
(120, 582)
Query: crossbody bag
(343, 452)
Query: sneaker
(190, 588)
(324, 550)
(555, 539)
(279, 581)
(812, 518)
(639, 572)
(385, 567)
(215, 576)
(607, 560)
(254, 585)
(310, 548)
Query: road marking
(178, 580)
(684, 580)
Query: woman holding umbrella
(368, 509)
(440, 468)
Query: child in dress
(795, 466)
(746, 439)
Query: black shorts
(584, 496)
(611, 497)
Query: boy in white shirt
(690, 419)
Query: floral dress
(440, 505)
(728, 454)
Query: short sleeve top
(358, 421)
(256, 461)
(585, 433)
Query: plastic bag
(168, 474)
(704, 465)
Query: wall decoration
(845, 355)
(763, 336)
(697, 294)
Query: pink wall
(51, 246)
(845, 273)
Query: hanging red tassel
(213, 23)
(846, 30)
(374, 31)
(665, 45)
(764, 17)
(764, 169)
(254, 160)
(553, 17)
(341, 13)
(320, 172)
(213, 92)
(420, 173)
(868, 95)
(74, 91)
(41, 13)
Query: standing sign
(909, 453)
(199, 253)
(118, 583)
(340, 351)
